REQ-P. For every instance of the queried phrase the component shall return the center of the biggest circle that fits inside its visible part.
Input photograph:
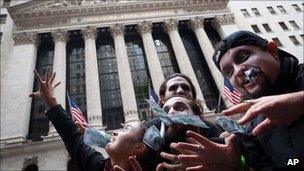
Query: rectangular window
(277, 41)
(296, 7)
(3, 18)
(283, 11)
(256, 11)
(294, 40)
(294, 24)
(6, 3)
(283, 25)
(271, 10)
(245, 12)
(302, 35)
(255, 28)
(266, 27)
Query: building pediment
(39, 14)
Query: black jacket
(272, 150)
(86, 157)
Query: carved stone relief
(171, 24)
(196, 22)
(145, 27)
(223, 20)
(60, 35)
(89, 33)
(26, 38)
(117, 29)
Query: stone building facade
(105, 53)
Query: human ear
(272, 48)
(162, 98)
(140, 148)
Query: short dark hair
(163, 86)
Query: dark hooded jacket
(274, 149)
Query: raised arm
(86, 157)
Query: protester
(273, 81)
(176, 85)
(181, 105)
(127, 150)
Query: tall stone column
(18, 84)
(60, 38)
(171, 27)
(124, 73)
(156, 72)
(94, 111)
(225, 24)
(197, 25)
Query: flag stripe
(78, 116)
(152, 95)
(76, 113)
(231, 93)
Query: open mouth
(251, 76)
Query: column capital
(89, 32)
(26, 38)
(171, 25)
(144, 27)
(117, 29)
(224, 19)
(196, 22)
(60, 35)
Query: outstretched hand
(81, 126)
(202, 154)
(278, 110)
(134, 164)
(46, 87)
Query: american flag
(231, 93)
(76, 113)
(152, 95)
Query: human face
(123, 144)
(178, 86)
(237, 60)
(176, 105)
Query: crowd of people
(273, 113)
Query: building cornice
(43, 14)
(224, 19)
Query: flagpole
(149, 98)
(219, 98)
(69, 102)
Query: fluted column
(197, 25)
(171, 27)
(94, 111)
(60, 38)
(18, 84)
(225, 25)
(156, 72)
(124, 74)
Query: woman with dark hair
(129, 149)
